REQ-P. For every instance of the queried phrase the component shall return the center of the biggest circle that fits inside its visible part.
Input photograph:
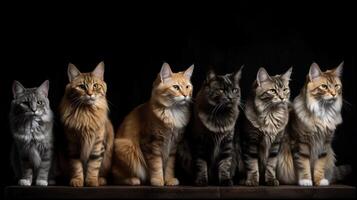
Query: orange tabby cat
(145, 144)
(89, 132)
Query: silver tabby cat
(31, 122)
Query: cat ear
(338, 70)
(262, 76)
(238, 74)
(210, 75)
(315, 71)
(44, 87)
(72, 72)
(17, 89)
(189, 71)
(287, 74)
(99, 71)
(165, 72)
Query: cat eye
(187, 86)
(82, 86)
(176, 87)
(235, 90)
(272, 91)
(324, 86)
(95, 85)
(286, 89)
(39, 102)
(221, 91)
(337, 86)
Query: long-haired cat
(211, 142)
(31, 122)
(267, 115)
(145, 143)
(88, 130)
(306, 157)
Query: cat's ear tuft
(262, 76)
(287, 74)
(189, 71)
(72, 72)
(238, 74)
(339, 69)
(99, 71)
(17, 89)
(44, 87)
(165, 72)
(314, 71)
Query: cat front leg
(76, 167)
(225, 161)
(44, 168)
(270, 169)
(303, 167)
(155, 169)
(252, 166)
(26, 173)
(322, 166)
(94, 163)
(201, 172)
(170, 179)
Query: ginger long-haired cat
(89, 132)
(146, 142)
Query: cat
(31, 122)
(306, 158)
(145, 143)
(211, 142)
(266, 116)
(87, 127)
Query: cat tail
(35, 157)
(341, 172)
(87, 146)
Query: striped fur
(146, 142)
(307, 157)
(266, 117)
(89, 132)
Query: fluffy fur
(267, 115)
(145, 144)
(31, 122)
(307, 157)
(89, 132)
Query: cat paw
(157, 182)
(76, 182)
(24, 182)
(201, 182)
(272, 182)
(41, 182)
(102, 181)
(133, 181)
(172, 182)
(226, 182)
(323, 182)
(305, 182)
(92, 182)
(252, 183)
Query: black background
(38, 41)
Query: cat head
(222, 89)
(324, 87)
(272, 90)
(86, 88)
(30, 101)
(173, 88)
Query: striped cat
(145, 144)
(306, 157)
(267, 115)
(89, 132)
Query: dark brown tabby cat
(89, 132)
(267, 115)
(307, 157)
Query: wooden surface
(180, 192)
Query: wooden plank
(180, 192)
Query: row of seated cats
(282, 142)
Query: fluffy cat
(31, 122)
(145, 143)
(306, 157)
(267, 115)
(88, 130)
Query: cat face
(86, 88)
(325, 87)
(173, 88)
(223, 89)
(273, 89)
(30, 101)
